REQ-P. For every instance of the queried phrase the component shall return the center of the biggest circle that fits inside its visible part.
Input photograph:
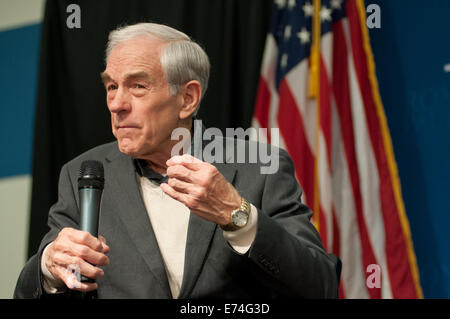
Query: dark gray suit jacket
(286, 259)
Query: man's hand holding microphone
(74, 257)
(76, 248)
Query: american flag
(318, 86)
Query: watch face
(240, 218)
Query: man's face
(143, 112)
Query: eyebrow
(105, 77)
(138, 75)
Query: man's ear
(191, 94)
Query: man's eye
(139, 86)
(111, 87)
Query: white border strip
(20, 13)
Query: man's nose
(120, 101)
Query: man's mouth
(126, 126)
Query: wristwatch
(239, 217)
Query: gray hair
(182, 60)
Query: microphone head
(91, 175)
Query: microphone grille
(91, 175)
(92, 168)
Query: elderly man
(175, 226)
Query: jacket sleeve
(62, 214)
(287, 248)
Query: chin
(130, 149)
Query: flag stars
(308, 9)
(280, 3)
(304, 35)
(287, 32)
(292, 4)
(325, 14)
(284, 60)
(336, 4)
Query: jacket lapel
(132, 212)
(199, 237)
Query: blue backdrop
(411, 49)
(18, 78)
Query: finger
(102, 239)
(84, 286)
(77, 264)
(197, 192)
(91, 271)
(72, 280)
(105, 246)
(199, 172)
(186, 160)
(166, 188)
(192, 162)
(180, 186)
(89, 255)
(85, 238)
(173, 193)
(188, 200)
(180, 172)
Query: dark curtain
(71, 113)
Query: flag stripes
(359, 215)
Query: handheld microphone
(90, 189)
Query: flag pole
(314, 93)
(392, 164)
